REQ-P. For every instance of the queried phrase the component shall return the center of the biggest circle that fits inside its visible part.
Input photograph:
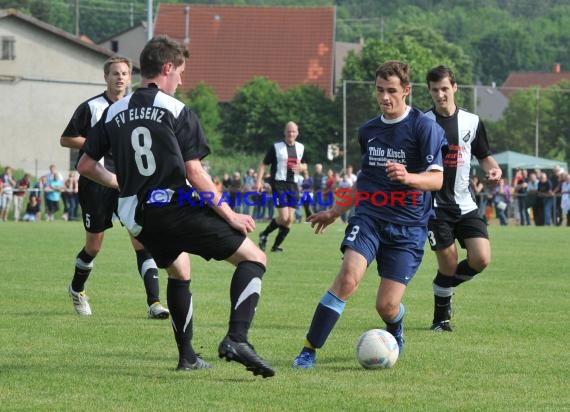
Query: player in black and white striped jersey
(456, 212)
(98, 203)
(286, 159)
(158, 144)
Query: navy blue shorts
(398, 249)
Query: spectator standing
(546, 198)
(532, 199)
(248, 187)
(521, 192)
(307, 193)
(565, 201)
(7, 194)
(52, 191)
(69, 196)
(235, 190)
(318, 186)
(556, 180)
(20, 192)
(502, 200)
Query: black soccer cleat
(244, 353)
(276, 249)
(442, 326)
(262, 242)
(184, 365)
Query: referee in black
(286, 160)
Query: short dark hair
(159, 51)
(395, 68)
(439, 73)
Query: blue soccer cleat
(398, 333)
(306, 359)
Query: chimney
(556, 68)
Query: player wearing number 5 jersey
(158, 144)
(98, 203)
(401, 153)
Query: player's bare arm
(92, 169)
(260, 174)
(491, 168)
(72, 142)
(319, 221)
(202, 182)
(431, 180)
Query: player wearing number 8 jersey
(98, 203)
(157, 144)
(401, 150)
(455, 208)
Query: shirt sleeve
(97, 143)
(271, 156)
(80, 122)
(191, 137)
(480, 145)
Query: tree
(202, 100)
(516, 130)
(361, 68)
(555, 138)
(317, 117)
(252, 119)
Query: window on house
(8, 48)
(114, 46)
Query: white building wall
(39, 91)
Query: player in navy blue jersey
(158, 144)
(401, 164)
(286, 159)
(98, 203)
(456, 212)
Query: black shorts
(442, 233)
(286, 194)
(98, 203)
(172, 229)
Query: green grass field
(509, 350)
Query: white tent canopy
(509, 161)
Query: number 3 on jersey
(143, 155)
(352, 235)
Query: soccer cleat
(157, 311)
(276, 249)
(442, 326)
(306, 359)
(398, 333)
(262, 241)
(184, 365)
(441, 318)
(244, 353)
(80, 302)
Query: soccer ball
(377, 349)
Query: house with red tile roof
(525, 80)
(231, 45)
